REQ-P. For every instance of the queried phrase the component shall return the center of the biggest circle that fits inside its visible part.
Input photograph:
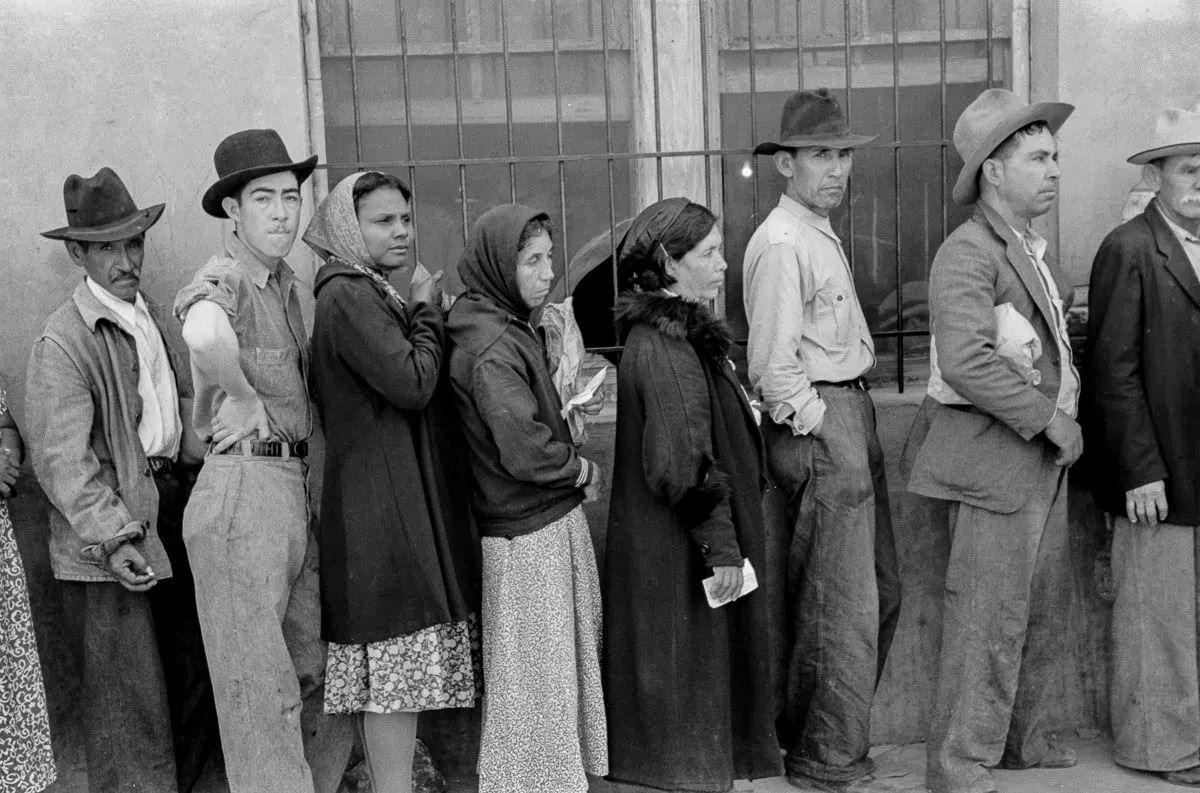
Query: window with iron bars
(591, 109)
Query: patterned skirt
(430, 669)
(26, 762)
(543, 710)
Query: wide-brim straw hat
(813, 119)
(1176, 132)
(993, 116)
(245, 156)
(100, 209)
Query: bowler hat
(245, 156)
(100, 209)
(1175, 132)
(813, 118)
(993, 116)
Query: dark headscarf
(488, 265)
(636, 248)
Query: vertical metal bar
(849, 122)
(508, 104)
(354, 83)
(708, 196)
(608, 147)
(896, 198)
(657, 103)
(799, 45)
(988, 35)
(753, 105)
(562, 166)
(942, 106)
(408, 119)
(458, 117)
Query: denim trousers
(1006, 594)
(247, 533)
(843, 585)
(1154, 690)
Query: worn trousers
(843, 585)
(1005, 595)
(1154, 693)
(247, 533)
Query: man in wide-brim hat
(105, 384)
(994, 436)
(247, 523)
(809, 353)
(1143, 377)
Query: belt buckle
(158, 464)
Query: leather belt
(858, 384)
(281, 449)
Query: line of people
(200, 598)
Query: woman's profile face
(535, 270)
(385, 218)
(700, 273)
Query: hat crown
(97, 200)
(250, 148)
(1176, 127)
(989, 110)
(812, 113)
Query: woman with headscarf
(689, 685)
(395, 543)
(543, 716)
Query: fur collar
(676, 318)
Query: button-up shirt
(806, 324)
(1068, 387)
(263, 307)
(160, 427)
(1188, 241)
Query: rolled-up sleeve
(217, 283)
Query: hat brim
(814, 142)
(1174, 150)
(231, 183)
(1054, 114)
(123, 229)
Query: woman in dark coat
(394, 539)
(688, 686)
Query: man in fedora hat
(809, 352)
(106, 378)
(1143, 378)
(247, 524)
(994, 436)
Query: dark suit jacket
(1143, 367)
(991, 454)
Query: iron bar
(354, 82)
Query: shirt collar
(259, 272)
(806, 215)
(1034, 243)
(123, 309)
(1183, 234)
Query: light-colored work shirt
(160, 428)
(806, 324)
(1188, 241)
(1068, 386)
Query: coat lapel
(1021, 262)
(1176, 259)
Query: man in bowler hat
(247, 525)
(994, 437)
(106, 381)
(1143, 381)
(809, 352)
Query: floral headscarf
(334, 230)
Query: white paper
(749, 584)
(587, 393)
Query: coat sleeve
(962, 299)
(60, 413)
(402, 369)
(677, 446)
(1114, 364)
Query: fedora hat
(1175, 132)
(993, 116)
(247, 155)
(100, 209)
(812, 118)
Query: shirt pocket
(832, 317)
(275, 371)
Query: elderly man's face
(816, 177)
(115, 267)
(1179, 190)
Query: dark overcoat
(397, 552)
(1142, 374)
(688, 688)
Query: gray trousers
(1006, 589)
(1155, 697)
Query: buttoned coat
(992, 453)
(1142, 373)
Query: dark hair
(534, 228)
(685, 232)
(1009, 144)
(371, 181)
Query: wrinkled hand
(1147, 504)
(591, 491)
(238, 419)
(130, 569)
(728, 583)
(1063, 431)
(9, 471)
(428, 290)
